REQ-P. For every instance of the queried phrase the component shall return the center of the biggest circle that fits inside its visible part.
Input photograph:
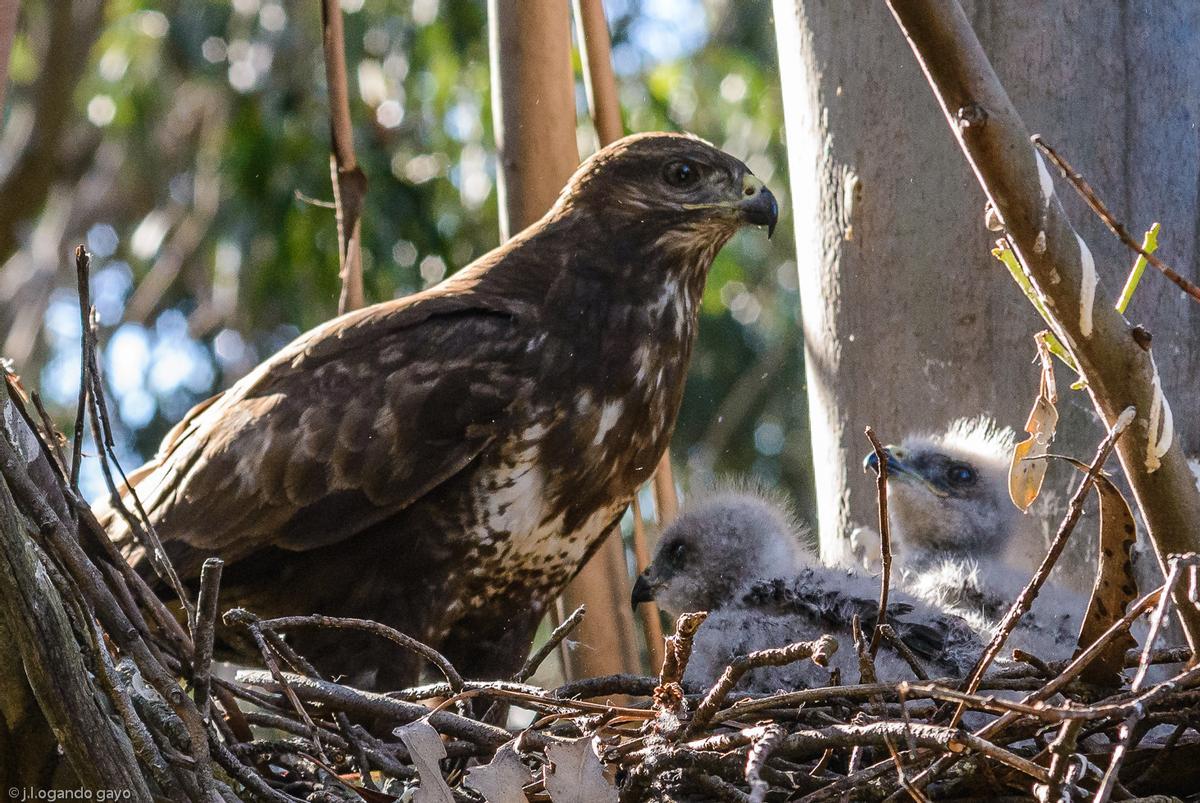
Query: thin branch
(83, 262)
(1093, 201)
(203, 630)
(761, 749)
(543, 652)
(249, 621)
(885, 537)
(349, 181)
(818, 650)
(365, 625)
(1138, 711)
(893, 639)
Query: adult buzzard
(446, 462)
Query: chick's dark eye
(960, 474)
(676, 550)
(681, 174)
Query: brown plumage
(445, 463)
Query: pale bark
(908, 322)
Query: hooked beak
(758, 205)
(643, 591)
(898, 469)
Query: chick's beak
(898, 469)
(643, 591)
(894, 464)
(758, 205)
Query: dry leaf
(501, 779)
(1115, 587)
(575, 774)
(426, 749)
(1026, 472)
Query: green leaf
(1149, 245)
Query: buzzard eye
(960, 474)
(681, 174)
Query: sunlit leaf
(1027, 471)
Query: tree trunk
(909, 322)
(533, 102)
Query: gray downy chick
(948, 496)
(742, 558)
(958, 540)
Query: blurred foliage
(195, 141)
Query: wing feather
(346, 426)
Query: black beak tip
(762, 210)
(643, 591)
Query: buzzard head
(650, 184)
(948, 493)
(717, 547)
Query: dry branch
(35, 615)
(349, 181)
(1118, 370)
(885, 538)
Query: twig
(372, 704)
(203, 631)
(719, 788)
(53, 436)
(141, 528)
(813, 742)
(1093, 201)
(240, 616)
(543, 652)
(1062, 749)
(607, 684)
(885, 536)
(679, 648)
(890, 635)
(349, 181)
(818, 650)
(761, 748)
(367, 626)
(82, 263)
(246, 776)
